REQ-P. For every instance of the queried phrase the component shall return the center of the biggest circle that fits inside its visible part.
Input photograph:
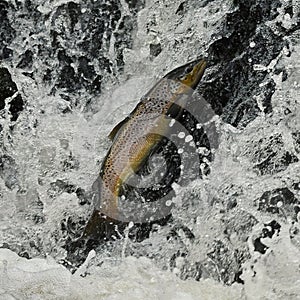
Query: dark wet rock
(100, 232)
(24, 254)
(269, 155)
(172, 261)
(16, 106)
(29, 248)
(297, 210)
(85, 70)
(71, 163)
(296, 186)
(26, 60)
(28, 74)
(230, 77)
(140, 232)
(91, 26)
(73, 54)
(237, 277)
(259, 246)
(72, 226)
(232, 203)
(60, 186)
(83, 196)
(277, 200)
(8, 171)
(269, 230)
(7, 33)
(174, 233)
(295, 234)
(67, 79)
(225, 262)
(180, 8)
(136, 5)
(8, 88)
(195, 271)
(296, 137)
(155, 49)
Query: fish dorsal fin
(116, 129)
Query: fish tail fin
(98, 230)
(102, 227)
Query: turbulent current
(71, 70)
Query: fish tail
(102, 227)
(98, 230)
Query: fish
(134, 139)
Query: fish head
(189, 74)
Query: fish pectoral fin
(116, 129)
(174, 111)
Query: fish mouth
(189, 74)
(197, 70)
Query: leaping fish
(133, 141)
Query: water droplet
(188, 138)
(181, 135)
(252, 44)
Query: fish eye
(188, 69)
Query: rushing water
(234, 233)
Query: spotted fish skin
(135, 140)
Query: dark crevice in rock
(259, 246)
(26, 60)
(237, 277)
(296, 186)
(267, 232)
(270, 229)
(180, 8)
(7, 89)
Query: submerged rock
(281, 199)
